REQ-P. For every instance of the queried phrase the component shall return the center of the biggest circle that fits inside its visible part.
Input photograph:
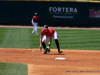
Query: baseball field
(80, 46)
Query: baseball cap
(35, 13)
(45, 26)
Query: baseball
(33, 51)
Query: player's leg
(57, 42)
(33, 29)
(36, 28)
(45, 38)
(43, 42)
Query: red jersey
(35, 19)
(49, 33)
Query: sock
(44, 46)
(57, 44)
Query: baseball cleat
(45, 52)
(32, 33)
(60, 51)
(48, 51)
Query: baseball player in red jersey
(35, 21)
(48, 34)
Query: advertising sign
(63, 12)
(94, 13)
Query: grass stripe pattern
(79, 39)
(13, 69)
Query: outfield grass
(68, 38)
(13, 69)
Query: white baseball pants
(45, 38)
(35, 27)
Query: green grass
(68, 38)
(80, 39)
(18, 38)
(13, 69)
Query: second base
(60, 58)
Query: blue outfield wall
(53, 13)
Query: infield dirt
(45, 64)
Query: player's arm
(41, 43)
(41, 37)
(50, 41)
(32, 20)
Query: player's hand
(40, 48)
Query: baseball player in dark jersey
(48, 34)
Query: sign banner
(94, 13)
(63, 12)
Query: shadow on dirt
(55, 54)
